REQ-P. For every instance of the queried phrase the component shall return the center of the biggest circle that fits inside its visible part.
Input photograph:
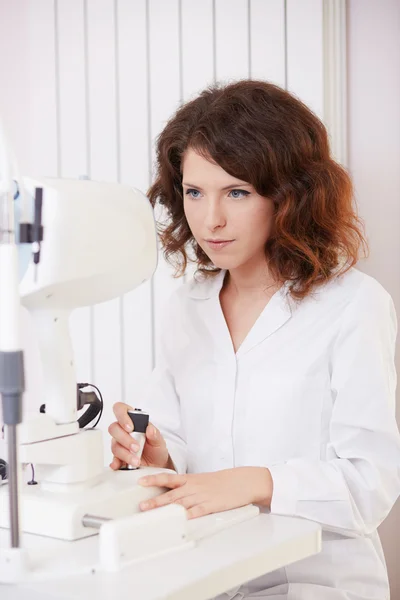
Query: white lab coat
(310, 394)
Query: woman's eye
(236, 194)
(239, 193)
(193, 193)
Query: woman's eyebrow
(227, 187)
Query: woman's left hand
(205, 493)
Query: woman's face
(226, 216)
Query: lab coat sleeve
(160, 399)
(353, 488)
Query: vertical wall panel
(305, 52)
(101, 57)
(197, 46)
(71, 84)
(14, 99)
(165, 97)
(41, 137)
(267, 41)
(72, 141)
(133, 105)
(232, 39)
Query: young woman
(275, 381)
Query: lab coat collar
(204, 288)
(274, 316)
(276, 313)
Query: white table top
(221, 561)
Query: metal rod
(93, 521)
(13, 484)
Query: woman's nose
(215, 216)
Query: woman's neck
(247, 281)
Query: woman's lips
(219, 245)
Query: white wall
(89, 85)
(374, 160)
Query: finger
(154, 437)
(163, 499)
(122, 437)
(177, 496)
(115, 464)
(163, 480)
(121, 412)
(124, 455)
(199, 510)
(188, 501)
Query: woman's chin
(224, 263)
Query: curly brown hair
(260, 133)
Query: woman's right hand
(124, 447)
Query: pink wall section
(374, 161)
